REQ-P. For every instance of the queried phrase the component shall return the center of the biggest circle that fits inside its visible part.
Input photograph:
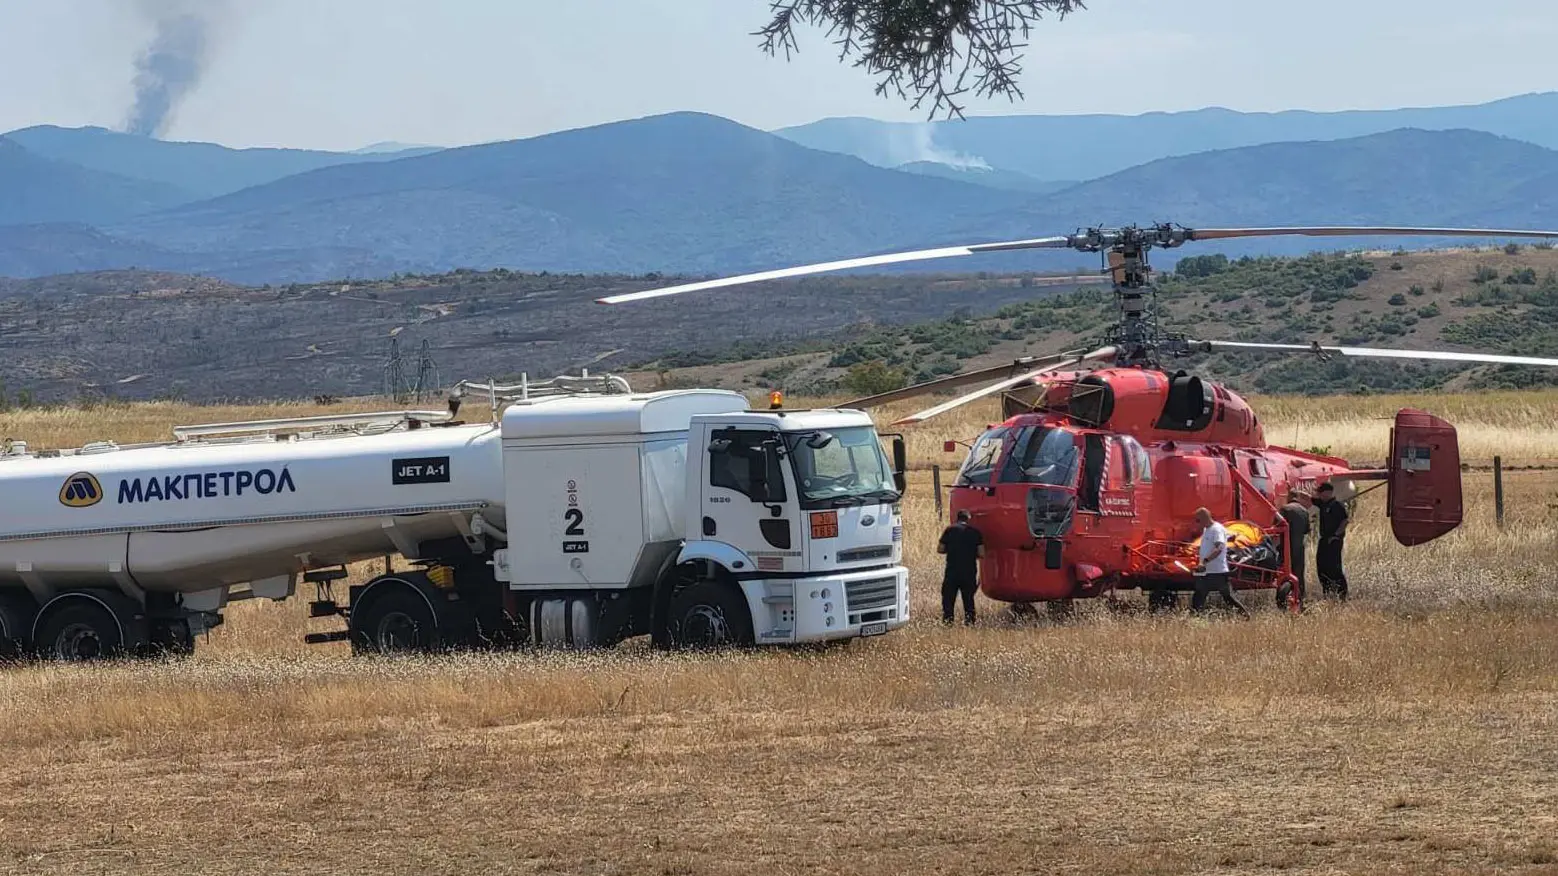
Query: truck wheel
(172, 638)
(15, 626)
(709, 614)
(88, 627)
(394, 622)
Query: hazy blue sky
(344, 73)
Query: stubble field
(1412, 730)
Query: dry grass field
(1414, 730)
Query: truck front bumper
(828, 607)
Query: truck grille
(871, 594)
(855, 555)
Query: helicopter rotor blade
(922, 416)
(965, 378)
(1379, 353)
(1361, 231)
(891, 258)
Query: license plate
(875, 629)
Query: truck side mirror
(900, 465)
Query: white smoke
(917, 142)
(171, 65)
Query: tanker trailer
(579, 517)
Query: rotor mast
(1136, 335)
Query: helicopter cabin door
(1119, 487)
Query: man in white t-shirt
(1212, 568)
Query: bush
(1415, 291)
(1201, 266)
(1428, 311)
(1511, 249)
(1395, 266)
(1398, 299)
(871, 378)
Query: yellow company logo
(81, 490)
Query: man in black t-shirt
(964, 546)
(1333, 532)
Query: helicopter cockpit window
(1042, 455)
(980, 465)
(1141, 464)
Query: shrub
(1398, 299)
(1201, 266)
(870, 378)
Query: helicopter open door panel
(1423, 491)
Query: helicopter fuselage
(1092, 483)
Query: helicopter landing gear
(1162, 599)
(1019, 613)
(1287, 600)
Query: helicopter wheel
(1285, 597)
(1162, 599)
(1021, 613)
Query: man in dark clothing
(964, 546)
(1296, 513)
(1333, 532)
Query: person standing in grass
(964, 546)
(1212, 570)
(1333, 533)
(1296, 513)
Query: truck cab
(800, 511)
(689, 516)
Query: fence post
(1498, 490)
(935, 477)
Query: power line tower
(427, 372)
(395, 385)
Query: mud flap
(1423, 494)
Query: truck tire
(709, 614)
(89, 626)
(15, 626)
(398, 620)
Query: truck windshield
(1042, 455)
(850, 469)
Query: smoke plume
(173, 62)
(917, 142)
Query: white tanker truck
(579, 513)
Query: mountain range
(1089, 146)
(694, 193)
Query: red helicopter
(1090, 484)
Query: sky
(340, 74)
